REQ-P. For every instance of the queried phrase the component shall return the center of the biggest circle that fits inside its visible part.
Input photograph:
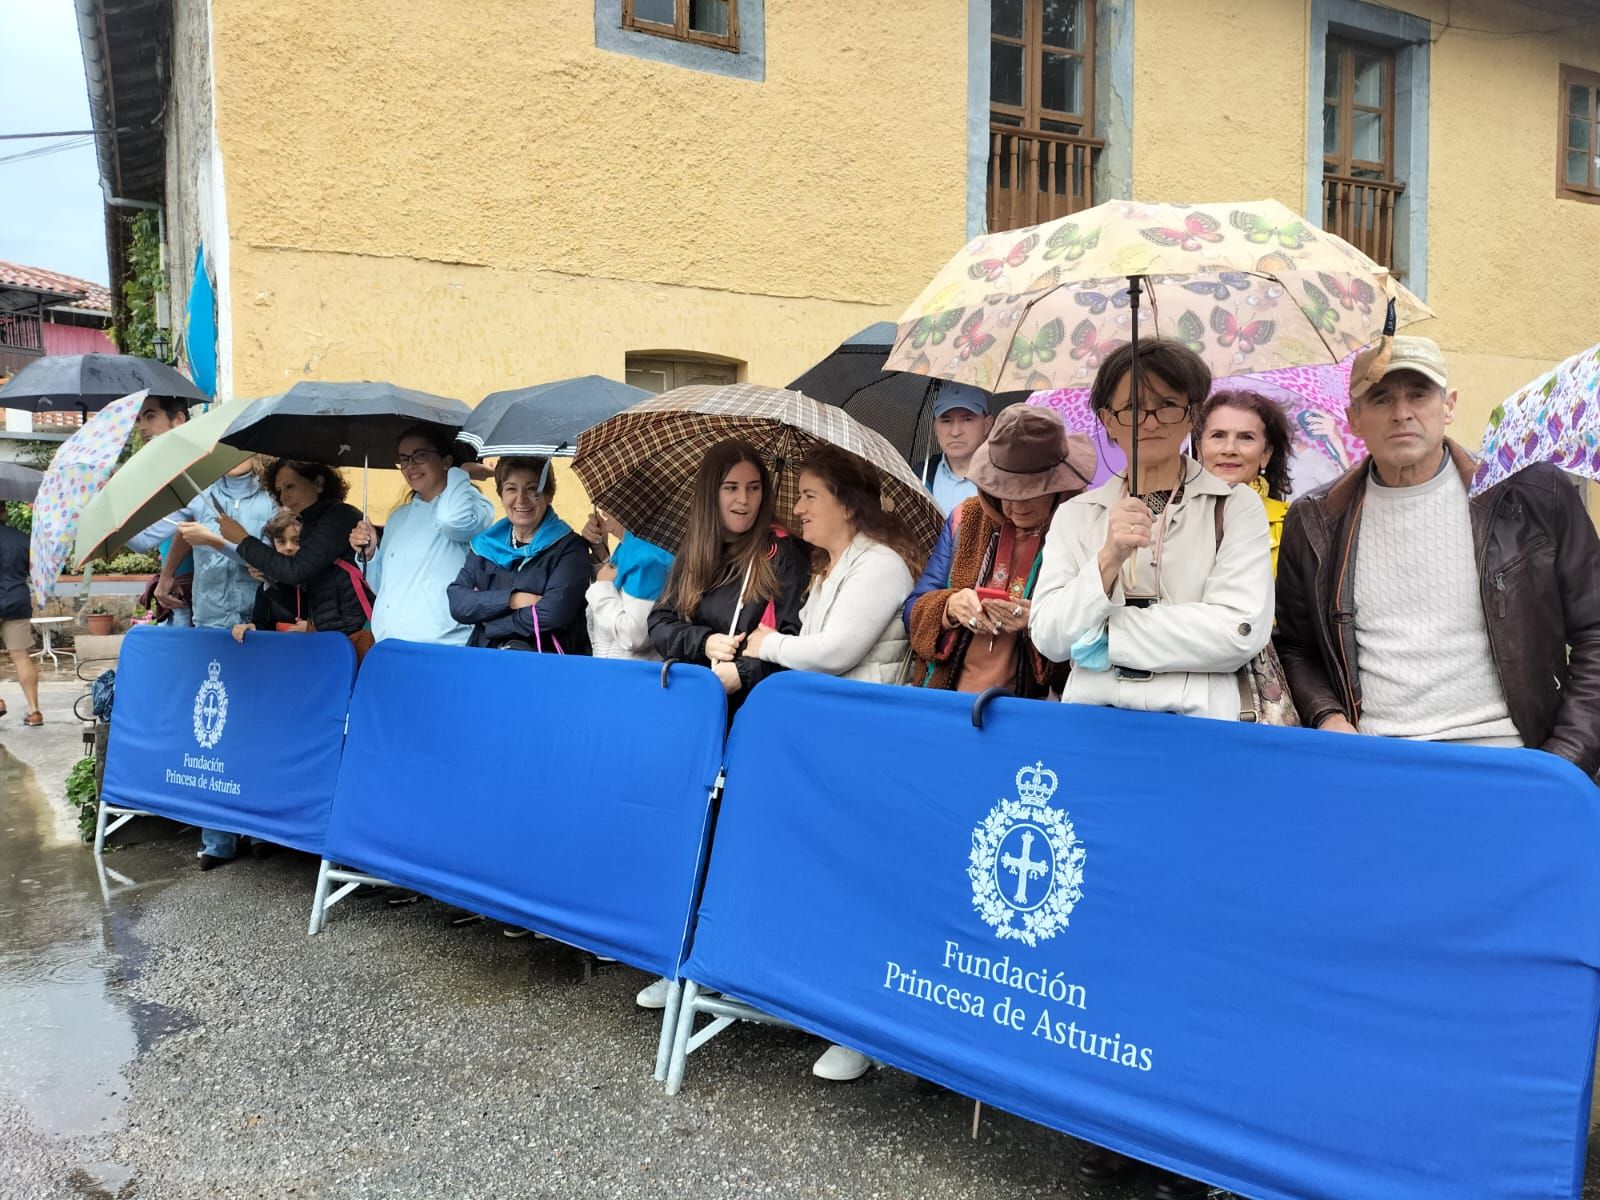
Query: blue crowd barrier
(1289, 963)
(244, 737)
(566, 795)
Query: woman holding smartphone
(968, 615)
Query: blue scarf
(641, 567)
(494, 543)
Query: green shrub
(82, 796)
(129, 563)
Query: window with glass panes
(708, 22)
(1041, 64)
(1358, 111)
(1578, 164)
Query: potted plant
(98, 619)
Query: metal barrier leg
(680, 1037)
(669, 1027)
(102, 830)
(99, 830)
(319, 900)
(327, 875)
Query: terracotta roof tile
(87, 295)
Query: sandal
(34, 719)
(2, 708)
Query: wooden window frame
(679, 30)
(1032, 113)
(1578, 77)
(1342, 163)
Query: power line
(41, 151)
(12, 137)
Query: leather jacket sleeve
(1295, 638)
(1576, 733)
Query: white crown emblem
(1036, 784)
(1026, 863)
(210, 707)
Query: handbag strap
(538, 641)
(1247, 691)
(357, 581)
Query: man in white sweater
(1407, 609)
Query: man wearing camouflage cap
(1407, 609)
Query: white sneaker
(841, 1064)
(654, 996)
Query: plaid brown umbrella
(640, 464)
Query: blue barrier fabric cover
(244, 737)
(1290, 963)
(568, 795)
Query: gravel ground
(398, 1056)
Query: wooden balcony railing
(1036, 176)
(1361, 211)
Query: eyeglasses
(1166, 413)
(418, 458)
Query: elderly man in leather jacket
(1406, 609)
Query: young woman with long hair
(735, 570)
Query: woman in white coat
(1159, 589)
(850, 624)
(865, 563)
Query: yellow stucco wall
(1513, 272)
(508, 141)
(1219, 100)
(466, 201)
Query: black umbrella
(897, 404)
(545, 420)
(342, 424)
(92, 381)
(18, 482)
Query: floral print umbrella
(1555, 419)
(1249, 287)
(1313, 398)
(79, 470)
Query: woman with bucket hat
(968, 615)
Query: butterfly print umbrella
(1248, 287)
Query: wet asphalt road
(186, 1039)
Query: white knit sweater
(1421, 641)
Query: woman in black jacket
(337, 599)
(734, 571)
(522, 586)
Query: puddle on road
(69, 1031)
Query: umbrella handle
(1133, 384)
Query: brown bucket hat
(1029, 454)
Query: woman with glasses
(421, 549)
(1158, 588)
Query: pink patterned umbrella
(1313, 398)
